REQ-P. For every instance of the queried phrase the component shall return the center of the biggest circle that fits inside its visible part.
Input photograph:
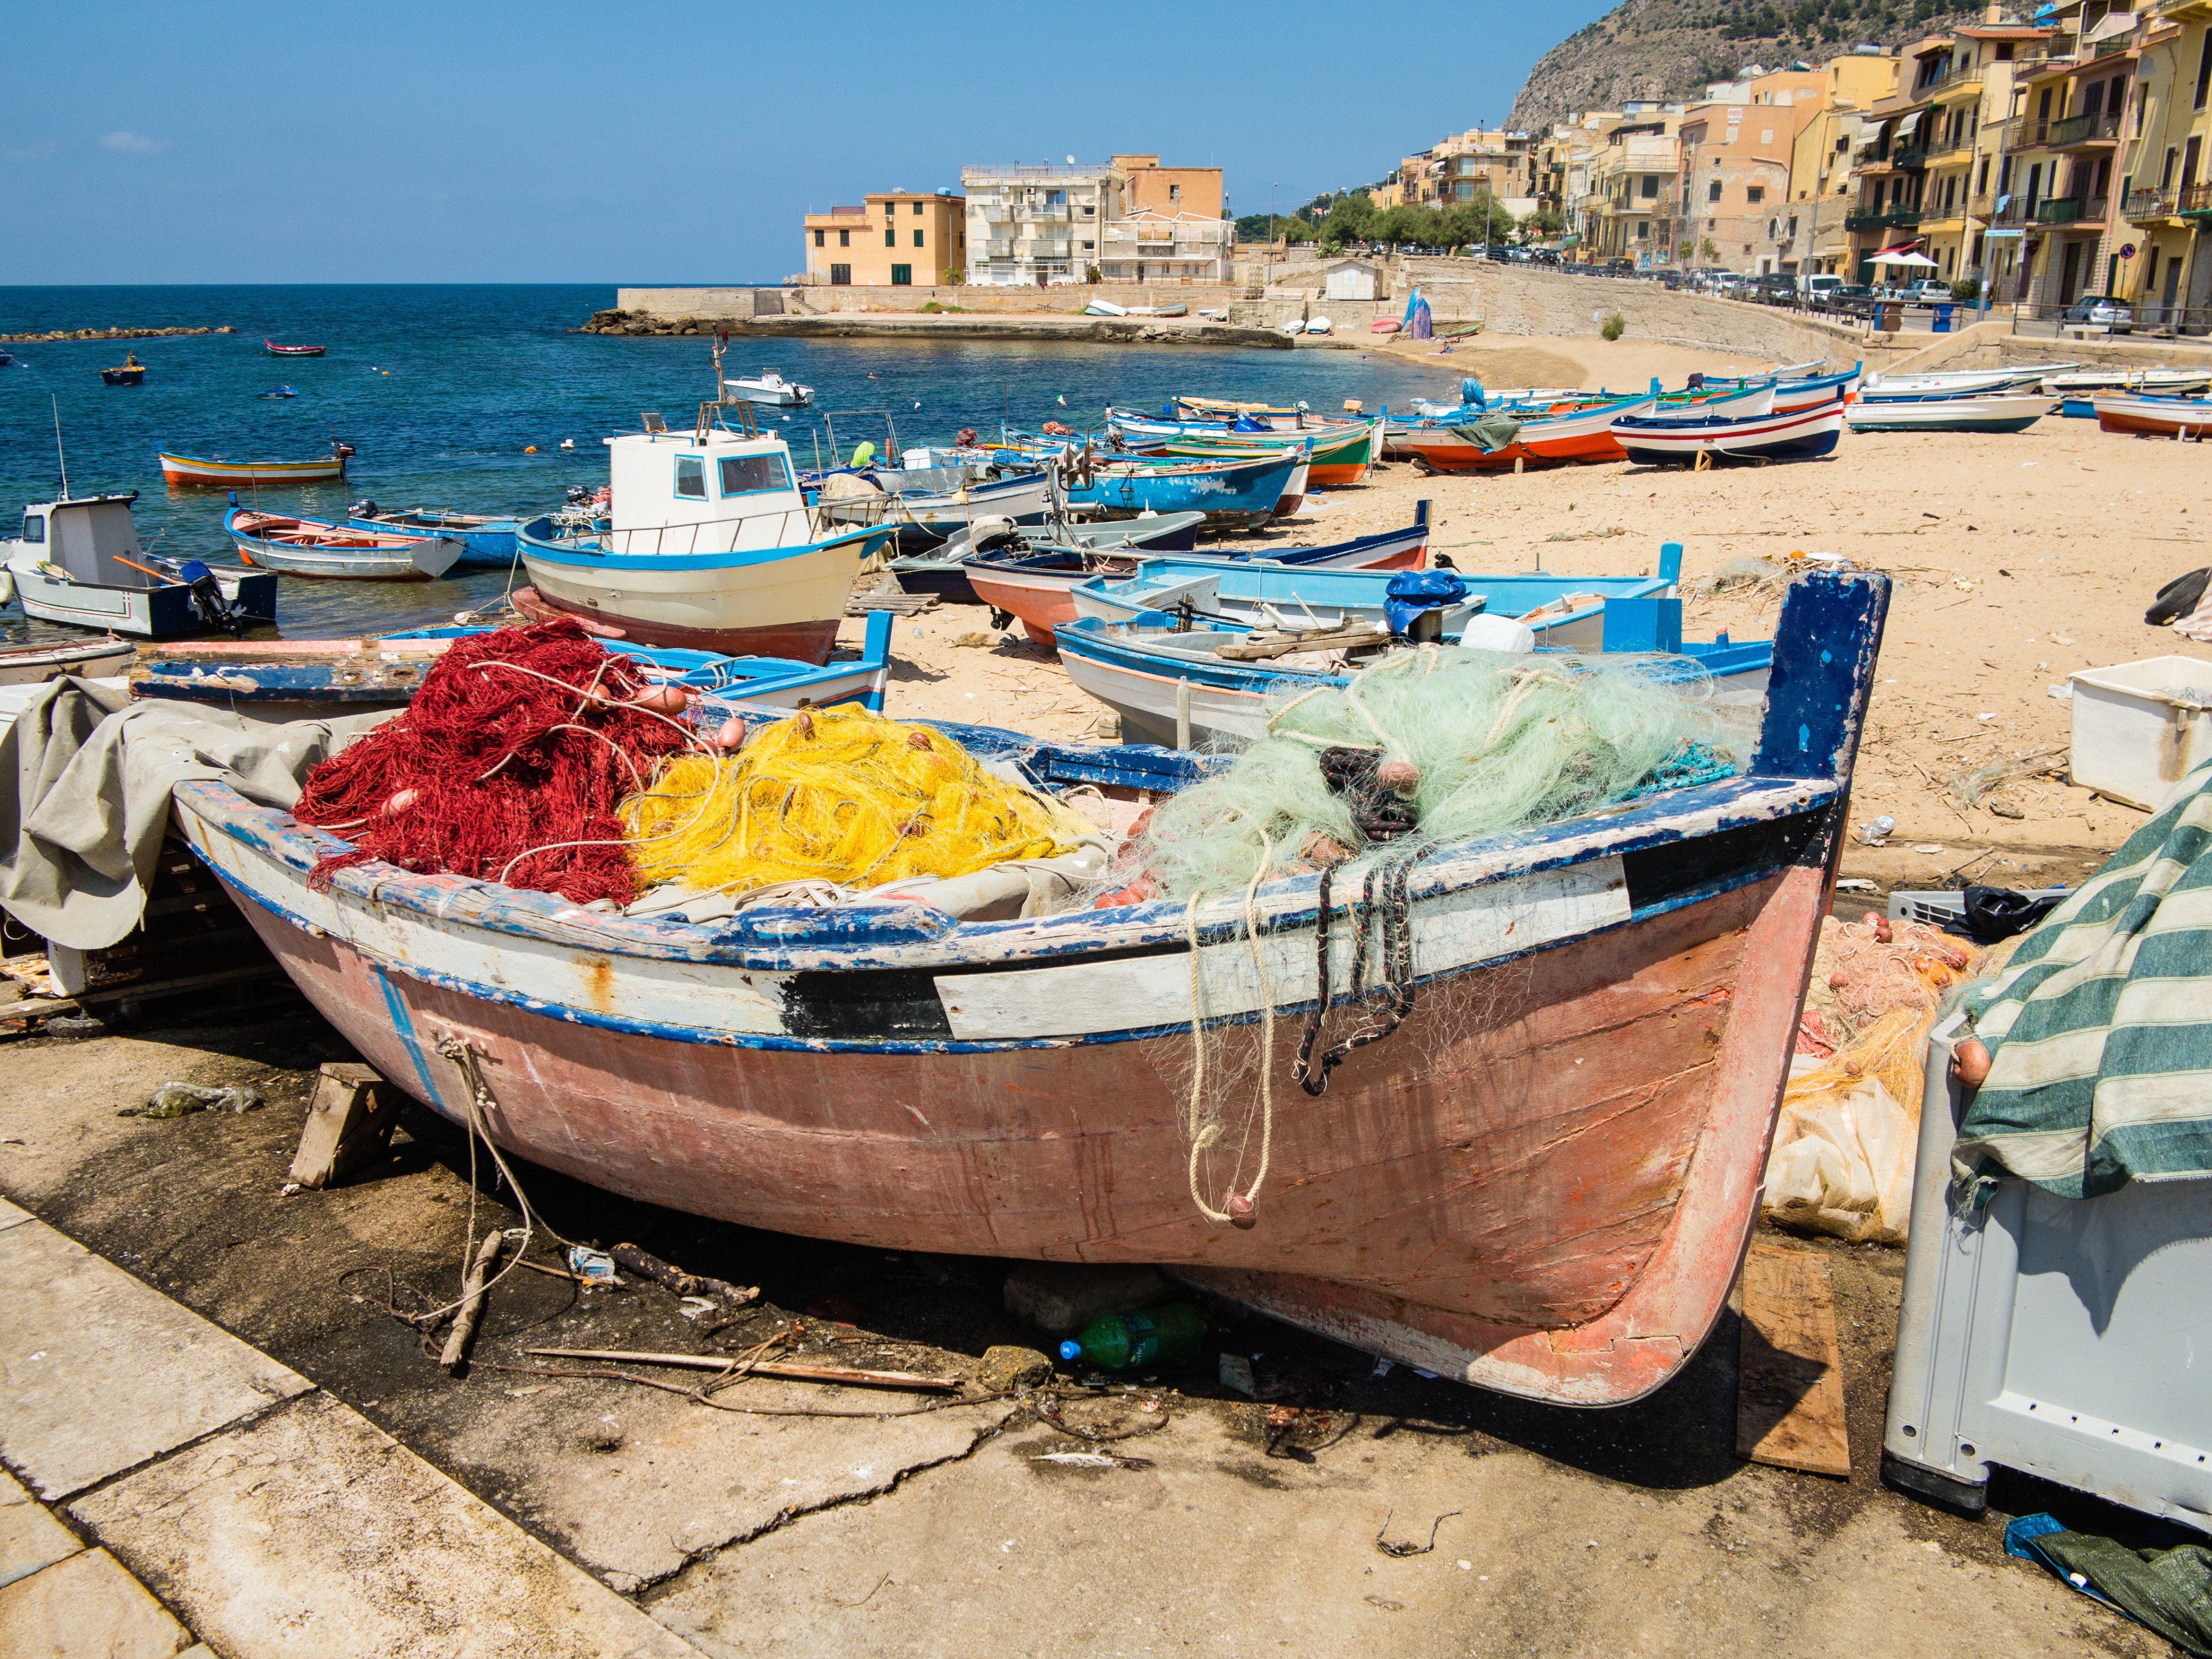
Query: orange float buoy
(530, 449)
(1970, 1063)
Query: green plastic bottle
(1158, 1336)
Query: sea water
(445, 391)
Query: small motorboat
(275, 351)
(6, 357)
(130, 372)
(219, 474)
(28, 665)
(280, 392)
(1318, 326)
(316, 547)
(1990, 412)
(79, 562)
(2168, 382)
(767, 387)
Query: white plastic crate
(2140, 727)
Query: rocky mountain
(1670, 48)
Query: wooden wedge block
(349, 1123)
(1790, 1382)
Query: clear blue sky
(405, 141)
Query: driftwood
(1257, 646)
(472, 1296)
(646, 1265)
(795, 1370)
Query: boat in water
(1543, 1182)
(769, 389)
(129, 372)
(217, 473)
(280, 392)
(275, 351)
(79, 561)
(316, 547)
(710, 545)
(487, 540)
(1992, 412)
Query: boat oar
(158, 575)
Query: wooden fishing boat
(1800, 435)
(943, 570)
(130, 372)
(30, 665)
(1232, 493)
(2148, 416)
(315, 679)
(1990, 412)
(1335, 457)
(1543, 1183)
(2160, 382)
(275, 351)
(316, 547)
(1579, 439)
(740, 571)
(922, 518)
(183, 471)
(1037, 587)
(79, 562)
(487, 541)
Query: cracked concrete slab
(310, 1530)
(86, 1605)
(77, 1336)
(1220, 1548)
(30, 1538)
(634, 1484)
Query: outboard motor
(1413, 604)
(577, 495)
(363, 508)
(206, 596)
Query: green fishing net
(1494, 742)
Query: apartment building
(1170, 228)
(2165, 135)
(1633, 205)
(1565, 159)
(895, 240)
(1736, 147)
(1822, 174)
(1030, 226)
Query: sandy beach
(2018, 560)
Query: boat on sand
(1543, 1183)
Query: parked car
(1818, 285)
(1849, 299)
(2101, 311)
(1773, 288)
(1929, 292)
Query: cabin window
(743, 474)
(34, 527)
(691, 477)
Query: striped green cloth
(2100, 1026)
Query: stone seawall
(1993, 344)
(812, 301)
(911, 325)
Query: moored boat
(1987, 412)
(275, 351)
(79, 562)
(710, 545)
(129, 372)
(1469, 1199)
(316, 547)
(2148, 416)
(1801, 434)
(767, 388)
(219, 474)
(1232, 493)
(487, 540)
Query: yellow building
(897, 240)
(1822, 176)
(1737, 146)
(2167, 133)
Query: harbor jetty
(52, 335)
(945, 325)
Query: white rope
(1205, 1135)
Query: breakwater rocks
(948, 326)
(53, 334)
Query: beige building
(1633, 204)
(1737, 144)
(897, 240)
(1170, 230)
(1822, 177)
(2165, 162)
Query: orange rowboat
(183, 470)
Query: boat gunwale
(569, 553)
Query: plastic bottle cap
(1071, 1350)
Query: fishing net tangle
(508, 766)
(841, 795)
(1428, 747)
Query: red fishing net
(507, 766)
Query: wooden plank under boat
(1543, 1183)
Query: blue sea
(444, 390)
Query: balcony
(1042, 251)
(1950, 85)
(1909, 159)
(1943, 150)
(2083, 130)
(998, 249)
(2193, 200)
(1902, 218)
(1859, 219)
(2070, 210)
(2146, 207)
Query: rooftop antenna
(59, 454)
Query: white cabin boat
(767, 387)
(78, 560)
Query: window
(34, 527)
(2042, 105)
(840, 276)
(890, 237)
(1650, 189)
(742, 475)
(1766, 135)
(2204, 72)
(2004, 175)
(1174, 192)
(821, 239)
(917, 210)
(2093, 104)
(2005, 51)
(1754, 193)
(902, 275)
(1983, 188)
(2165, 175)
(1713, 190)
(2190, 158)
(691, 477)
(917, 238)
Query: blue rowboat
(1171, 684)
(1799, 436)
(487, 542)
(1568, 611)
(1241, 495)
(1793, 395)
(286, 680)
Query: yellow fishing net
(836, 794)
